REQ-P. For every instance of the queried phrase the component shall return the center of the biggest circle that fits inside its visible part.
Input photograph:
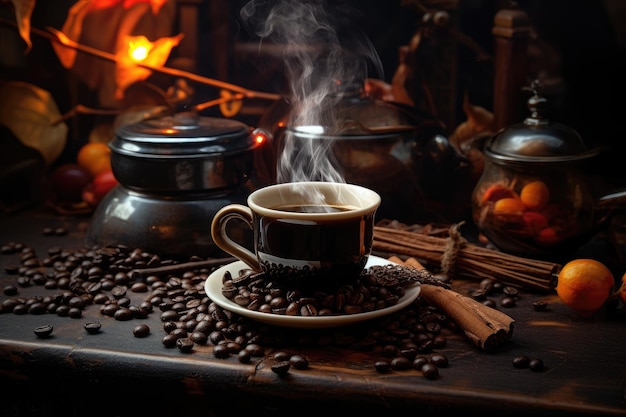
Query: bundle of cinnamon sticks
(486, 327)
(455, 256)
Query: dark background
(584, 37)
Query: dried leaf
(104, 25)
(29, 112)
(109, 10)
(23, 13)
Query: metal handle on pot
(220, 236)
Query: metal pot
(183, 153)
(534, 197)
(175, 173)
(402, 155)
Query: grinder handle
(220, 236)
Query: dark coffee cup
(314, 234)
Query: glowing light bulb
(260, 138)
(140, 53)
(139, 48)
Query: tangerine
(509, 206)
(535, 195)
(584, 285)
(95, 157)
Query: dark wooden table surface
(114, 373)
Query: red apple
(102, 183)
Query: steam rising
(322, 57)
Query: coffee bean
(430, 371)
(439, 359)
(507, 302)
(255, 349)
(400, 363)
(10, 290)
(510, 291)
(281, 368)
(299, 362)
(243, 356)
(536, 365)
(521, 361)
(382, 366)
(489, 303)
(169, 340)
(221, 351)
(141, 330)
(419, 362)
(43, 331)
(92, 327)
(122, 314)
(389, 350)
(479, 294)
(282, 356)
(75, 313)
(185, 344)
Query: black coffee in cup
(314, 208)
(307, 234)
(298, 251)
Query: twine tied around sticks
(454, 242)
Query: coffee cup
(306, 234)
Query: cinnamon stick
(469, 260)
(486, 327)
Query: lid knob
(538, 106)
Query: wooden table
(115, 373)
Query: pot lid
(183, 134)
(538, 139)
(350, 113)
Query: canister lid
(183, 134)
(538, 139)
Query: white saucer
(213, 288)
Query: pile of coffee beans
(254, 291)
(77, 279)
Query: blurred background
(576, 47)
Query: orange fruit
(509, 206)
(584, 285)
(535, 195)
(95, 157)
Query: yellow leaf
(23, 13)
(29, 112)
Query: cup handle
(223, 241)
